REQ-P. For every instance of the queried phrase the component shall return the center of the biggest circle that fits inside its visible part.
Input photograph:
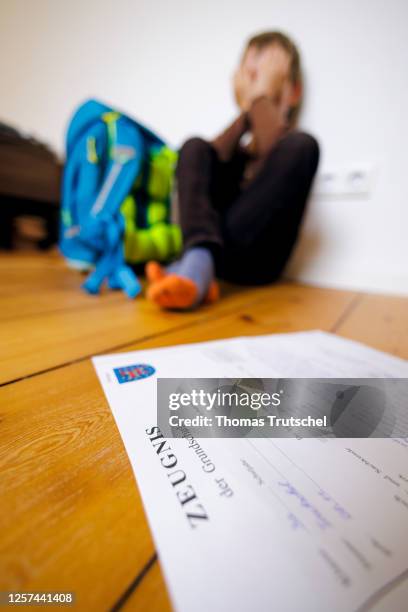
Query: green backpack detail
(149, 234)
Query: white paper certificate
(265, 524)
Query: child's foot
(186, 283)
(154, 272)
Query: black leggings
(251, 230)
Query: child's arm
(268, 123)
(227, 142)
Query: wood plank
(71, 516)
(287, 308)
(22, 270)
(46, 320)
(42, 283)
(71, 513)
(27, 304)
(38, 342)
(381, 322)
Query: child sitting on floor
(240, 207)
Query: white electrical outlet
(358, 180)
(352, 180)
(328, 183)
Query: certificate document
(265, 523)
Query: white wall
(169, 64)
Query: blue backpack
(116, 191)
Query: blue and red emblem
(133, 372)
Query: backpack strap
(105, 224)
(111, 267)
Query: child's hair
(264, 39)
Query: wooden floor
(70, 513)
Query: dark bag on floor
(29, 184)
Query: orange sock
(169, 290)
(154, 271)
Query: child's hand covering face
(262, 72)
(244, 78)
